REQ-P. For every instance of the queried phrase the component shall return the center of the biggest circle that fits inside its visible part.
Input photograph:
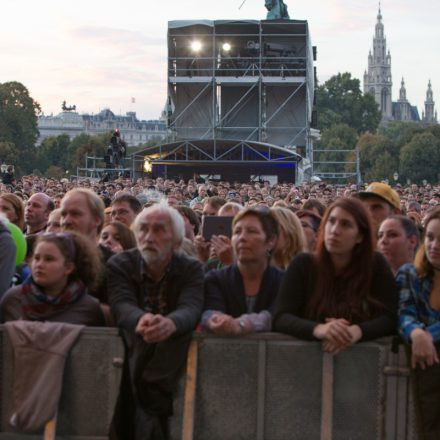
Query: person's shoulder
(380, 262)
(303, 259)
(125, 257)
(10, 295)
(183, 261)
(222, 273)
(10, 303)
(275, 272)
(407, 270)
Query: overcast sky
(99, 54)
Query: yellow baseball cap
(383, 191)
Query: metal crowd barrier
(266, 386)
(90, 386)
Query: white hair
(176, 219)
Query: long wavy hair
(423, 266)
(347, 294)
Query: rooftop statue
(65, 108)
(276, 9)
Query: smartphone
(216, 225)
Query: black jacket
(151, 371)
(224, 291)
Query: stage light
(196, 46)
(226, 47)
(147, 166)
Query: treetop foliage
(340, 100)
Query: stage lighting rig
(196, 46)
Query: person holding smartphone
(239, 298)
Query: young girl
(64, 266)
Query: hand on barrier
(335, 348)
(423, 352)
(155, 328)
(335, 333)
(222, 324)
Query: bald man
(36, 213)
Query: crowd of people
(330, 263)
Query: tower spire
(378, 80)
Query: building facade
(378, 82)
(133, 131)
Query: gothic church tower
(377, 80)
(403, 108)
(429, 116)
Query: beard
(153, 257)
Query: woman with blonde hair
(419, 317)
(291, 239)
(12, 206)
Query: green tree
(420, 158)
(54, 172)
(399, 134)
(340, 100)
(18, 121)
(8, 153)
(86, 145)
(378, 159)
(53, 150)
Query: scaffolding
(95, 168)
(336, 165)
(248, 80)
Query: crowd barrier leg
(327, 397)
(50, 429)
(190, 392)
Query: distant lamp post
(396, 176)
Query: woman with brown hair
(419, 318)
(64, 267)
(344, 292)
(12, 206)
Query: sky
(97, 54)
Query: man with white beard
(156, 297)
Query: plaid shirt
(414, 308)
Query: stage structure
(248, 83)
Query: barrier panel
(265, 386)
(274, 387)
(90, 386)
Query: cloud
(114, 37)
